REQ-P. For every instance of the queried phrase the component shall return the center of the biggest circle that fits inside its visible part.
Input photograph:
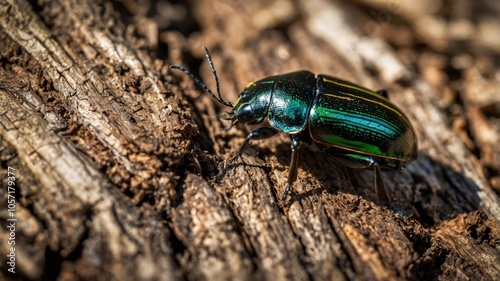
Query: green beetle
(354, 126)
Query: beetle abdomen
(350, 117)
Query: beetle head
(252, 106)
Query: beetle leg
(382, 195)
(384, 93)
(366, 162)
(357, 161)
(294, 164)
(259, 134)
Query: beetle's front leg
(259, 134)
(294, 162)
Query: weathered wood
(119, 162)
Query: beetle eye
(244, 114)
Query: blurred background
(452, 45)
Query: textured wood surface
(121, 164)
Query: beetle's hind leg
(382, 195)
(358, 161)
(384, 93)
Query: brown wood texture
(121, 168)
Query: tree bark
(119, 168)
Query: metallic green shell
(284, 99)
(339, 114)
(293, 95)
(353, 118)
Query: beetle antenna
(211, 63)
(199, 82)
